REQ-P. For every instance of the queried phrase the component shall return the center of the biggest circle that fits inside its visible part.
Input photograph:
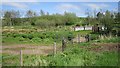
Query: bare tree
(42, 13)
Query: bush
(21, 39)
(24, 36)
(69, 23)
(94, 36)
(30, 36)
(36, 40)
(72, 56)
(70, 36)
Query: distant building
(94, 28)
(77, 28)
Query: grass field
(78, 55)
(97, 52)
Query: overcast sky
(59, 7)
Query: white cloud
(97, 6)
(15, 4)
(61, 8)
(67, 7)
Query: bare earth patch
(82, 39)
(99, 47)
(28, 49)
(45, 50)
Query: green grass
(72, 56)
(34, 60)
(10, 60)
(82, 32)
(44, 37)
(107, 59)
(108, 40)
(111, 40)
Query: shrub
(21, 39)
(24, 35)
(30, 36)
(70, 36)
(36, 40)
(94, 36)
(72, 56)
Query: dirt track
(99, 47)
(44, 50)
(28, 49)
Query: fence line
(54, 48)
(78, 38)
(21, 58)
(7, 57)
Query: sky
(60, 7)
(60, 0)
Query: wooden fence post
(87, 37)
(71, 41)
(78, 38)
(102, 37)
(54, 48)
(21, 58)
(63, 44)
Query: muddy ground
(45, 50)
(100, 47)
(28, 49)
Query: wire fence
(64, 42)
(11, 60)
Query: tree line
(12, 18)
(110, 20)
